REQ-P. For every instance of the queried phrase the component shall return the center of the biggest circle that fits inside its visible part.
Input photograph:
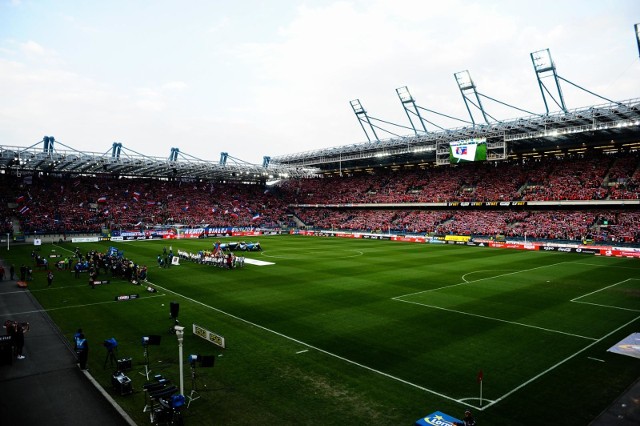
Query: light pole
(180, 335)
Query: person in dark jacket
(467, 421)
(18, 338)
(82, 349)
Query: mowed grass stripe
(535, 298)
(318, 302)
(337, 296)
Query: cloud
(33, 52)
(175, 85)
(330, 54)
(32, 48)
(220, 25)
(217, 78)
(151, 105)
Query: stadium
(492, 266)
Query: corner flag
(480, 377)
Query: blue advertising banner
(438, 419)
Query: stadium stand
(66, 205)
(568, 178)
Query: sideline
(553, 367)
(389, 376)
(55, 367)
(111, 401)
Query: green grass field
(346, 332)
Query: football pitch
(341, 331)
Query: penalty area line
(550, 330)
(331, 354)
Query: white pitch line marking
(475, 272)
(606, 306)
(577, 299)
(553, 367)
(373, 370)
(33, 290)
(478, 280)
(81, 306)
(601, 289)
(550, 330)
(603, 266)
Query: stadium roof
(614, 123)
(123, 162)
(612, 126)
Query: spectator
(18, 336)
(467, 421)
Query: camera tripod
(193, 395)
(111, 357)
(146, 363)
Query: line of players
(216, 258)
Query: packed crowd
(58, 205)
(62, 205)
(592, 177)
(623, 226)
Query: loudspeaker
(174, 307)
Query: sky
(270, 78)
